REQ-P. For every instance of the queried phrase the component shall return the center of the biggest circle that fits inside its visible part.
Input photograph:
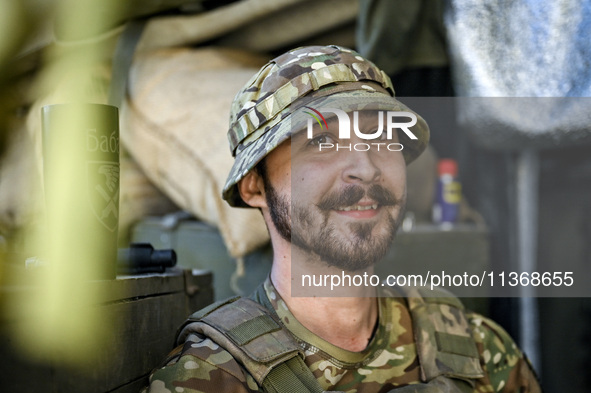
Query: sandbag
(261, 25)
(174, 124)
(291, 26)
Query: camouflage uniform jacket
(389, 361)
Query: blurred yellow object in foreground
(58, 315)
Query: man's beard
(322, 238)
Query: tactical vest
(250, 330)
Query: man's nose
(361, 167)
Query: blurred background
(172, 67)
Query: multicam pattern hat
(262, 112)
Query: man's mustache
(352, 194)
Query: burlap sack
(261, 25)
(174, 124)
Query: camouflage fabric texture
(261, 112)
(389, 363)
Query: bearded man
(321, 147)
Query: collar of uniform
(313, 343)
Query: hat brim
(357, 100)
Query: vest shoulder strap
(445, 345)
(258, 341)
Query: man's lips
(355, 201)
(358, 208)
(361, 210)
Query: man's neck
(347, 322)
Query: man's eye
(383, 136)
(323, 138)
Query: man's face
(343, 206)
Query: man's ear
(252, 189)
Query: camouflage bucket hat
(262, 112)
